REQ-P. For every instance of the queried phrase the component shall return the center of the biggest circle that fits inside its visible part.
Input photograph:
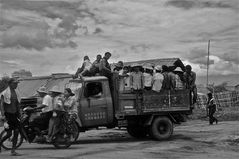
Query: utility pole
(208, 60)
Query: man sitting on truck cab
(104, 67)
(94, 70)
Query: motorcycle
(66, 130)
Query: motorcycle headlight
(54, 114)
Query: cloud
(74, 58)
(98, 30)
(189, 4)
(231, 57)
(198, 56)
(69, 26)
(131, 30)
(26, 37)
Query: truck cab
(94, 101)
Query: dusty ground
(193, 139)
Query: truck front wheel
(137, 131)
(161, 128)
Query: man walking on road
(212, 109)
(11, 112)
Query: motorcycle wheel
(75, 130)
(7, 144)
(62, 141)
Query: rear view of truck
(151, 113)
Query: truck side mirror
(86, 94)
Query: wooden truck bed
(153, 102)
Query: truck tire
(161, 128)
(137, 131)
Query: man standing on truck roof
(189, 79)
(104, 67)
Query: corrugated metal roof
(28, 86)
(154, 62)
(60, 82)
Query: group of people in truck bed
(137, 77)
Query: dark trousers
(212, 119)
(14, 126)
(42, 121)
(148, 88)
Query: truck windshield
(75, 87)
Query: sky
(52, 36)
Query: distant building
(22, 74)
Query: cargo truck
(143, 113)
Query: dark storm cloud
(198, 56)
(189, 4)
(140, 48)
(26, 37)
(8, 64)
(98, 30)
(51, 9)
(231, 57)
(74, 58)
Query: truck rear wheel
(137, 131)
(161, 128)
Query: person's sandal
(14, 153)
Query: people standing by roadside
(10, 109)
(157, 79)
(211, 106)
(189, 80)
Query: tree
(218, 88)
(22, 73)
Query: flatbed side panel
(177, 100)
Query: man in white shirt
(157, 79)
(148, 78)
(42, 121)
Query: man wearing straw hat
(42, 121)
(57, 105)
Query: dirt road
(193, 139)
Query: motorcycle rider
(42, 122)
(10, 109)
(57, 105)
